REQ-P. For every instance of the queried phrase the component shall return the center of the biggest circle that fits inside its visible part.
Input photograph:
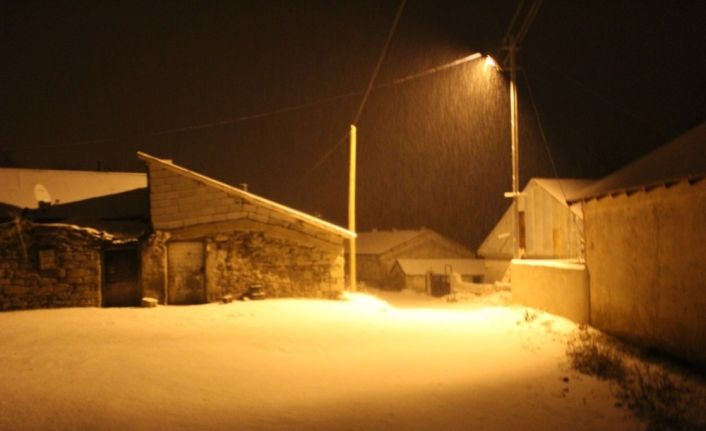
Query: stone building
(79, 254)
(377, 251)
(185, 239)
(210, 240)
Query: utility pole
(513, 37)
(515, 142)
(351, 211)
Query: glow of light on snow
(395, 362)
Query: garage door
(185, 264)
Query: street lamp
(513, 37)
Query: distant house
(417, 274)
(211, 239)
(184, 239)
(377, 251)
(645, 233)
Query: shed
(414, 274)
(211, 239)
(377, 251)
(645, 229)
(550, 228)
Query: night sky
(87, 84)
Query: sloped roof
(24, 188)
(563, 189)
(683, 157)
(125, 214)
(439, 266)
(377, 242)
(498, 242)
(255, 199)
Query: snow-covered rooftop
(683, 157)
(380, 241)
(563, 189)
(25, 188)
(440, 266)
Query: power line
(265, 114)
(379, 62)
(427, 72)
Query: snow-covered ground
(403, 363)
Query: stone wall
(240, 253)
(237, 260)
(153, 274)
(645, 254)
(44, 266)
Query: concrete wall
(49, 266)
(555, 286)
(646, 253)
(495, 269)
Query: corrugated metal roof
(234, 191)
(24, 188)
(439, 266)
(683, 157)
(377, 242)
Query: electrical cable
(379, 62)
(260, 115)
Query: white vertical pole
(515, 138)
(351, 210)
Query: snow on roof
(24, 188)
(95, 233)
(684, 157)
(563, 189)
(441, 266)
(123, 214)
(380, 241)
(309, 219)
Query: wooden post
(351, 211)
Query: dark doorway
(439, 284)
(120, 280)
